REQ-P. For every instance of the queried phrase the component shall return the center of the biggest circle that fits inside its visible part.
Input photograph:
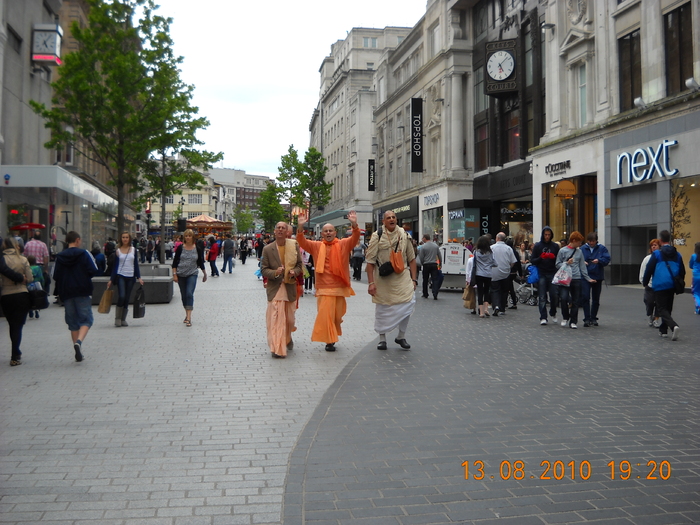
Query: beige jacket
(19, 264)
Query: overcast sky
(255, 66)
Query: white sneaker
(651, 320)
(674, 335)
(564, 322)
(573, 325)
(554, 319)
(543, 321)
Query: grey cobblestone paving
(387, 442)
(163, 424)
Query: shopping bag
(105, 302)
(37, 296)
(563, 276)
(469, 298)
(533, 276)
(139, 307)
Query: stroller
(527, 291)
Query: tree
(303, 183)
(269, 207)
(119, 97)
(245, 221)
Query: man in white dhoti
(394, 293)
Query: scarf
(336, 261)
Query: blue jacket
(73, 273)
(115, 268)
(663, 280)
(600, 252)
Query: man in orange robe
(332, 260)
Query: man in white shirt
(505, 259)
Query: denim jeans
(591, 291)
(570, 294)
(545, 285)
(214, 269)
(187, 285)
(78, 312)
(228, 260)
(124, 287)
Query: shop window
(570, 205)
(481, 149)
(678, 38)
(513, 135)
(630, 67)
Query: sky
(255, 67)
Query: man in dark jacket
(597, 257)
(544, 256)
(73, 277)
(665, 264)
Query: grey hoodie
(578, 268)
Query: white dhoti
(389, 316)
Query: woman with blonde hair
(15, 296)
(125, 273)
(189, 257)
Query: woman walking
(125, 272)
(188, 258)
(573, 257)
(483, 262)
(15, 296)
(649, 302)
(695, 268)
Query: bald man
(331, 257)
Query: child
(38, 274)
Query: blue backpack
(533, 276)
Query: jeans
(228, 260)
(430, 271)
(649, 302)
(124, 287)
(590, 291)
(214, 269)
(187, 285)
(16, 306)
(570, 294)
(544, 286)
(78, 312)
(664, 306)
(499, 293)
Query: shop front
(61, 201)
(654, 185)
(510, 193)
(406, 211)
(470, 219)
(433, 215)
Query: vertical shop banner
(370, 175)
(417, 135)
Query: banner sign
(417, 135)
(370, 175)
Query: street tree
(118, 98)
(245, 220)
(269, 207)
(303, 182)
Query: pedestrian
(212, 255)
(468, 284)
(664, 266)
(244, 250)
(516, 272)
(125, 273)
(38, 275)
(358, 257)
(15, 299)
(280, 266)
(524, 255)
(393, 293)
(470, 244)
(37, 248)
(597, 257)
(504, 257)
(169, 249)
(544, 255)
(72, 274)
(259, 245)
(572, 256)
(430, 258)
(482, 272)
(308, 262)
(189, 257)
(332, 278)
(228, 250)
(652, 312)
(695, 269)
(150, 246)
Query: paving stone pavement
(388, 442)
(163, 424)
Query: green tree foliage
(302, 182)
(245, 220)
(269, 207)
(119, 97)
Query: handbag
(678, 283)
(38, 296)
(105, 302)
(563, 275)
(139, 303)
(386, 269)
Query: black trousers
(16, 306)
(499, 293)
(664, 307)
(430, 271)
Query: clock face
(45, 42)
(500, 65)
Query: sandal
(185, 321)
(188, 322)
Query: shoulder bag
(678, 283)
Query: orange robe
(332, 264)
